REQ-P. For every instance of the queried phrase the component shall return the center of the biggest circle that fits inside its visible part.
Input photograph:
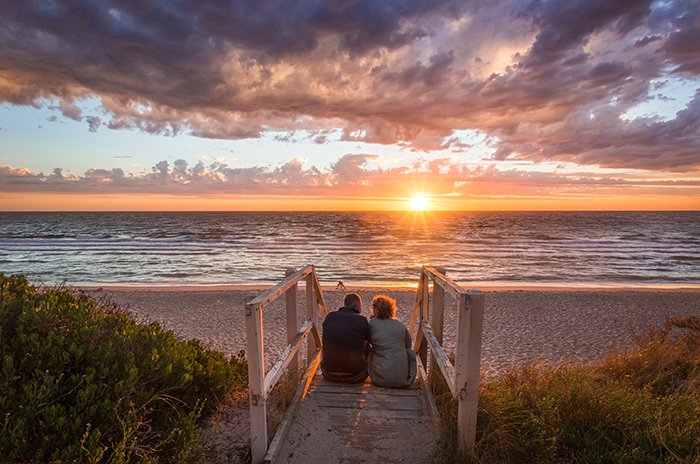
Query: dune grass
(637, 406)
(83, 382)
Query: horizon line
(368, 211)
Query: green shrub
(81, 383)
(641, 406)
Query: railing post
(424, 305)
(438, 318)
(311, 311)
(256, 381)
(469, 329)
(292, 318)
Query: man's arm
(366, 347)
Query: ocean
(373, 248)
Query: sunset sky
(350, 105)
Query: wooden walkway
(362, 423)
(351, 424)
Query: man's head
(353, 300)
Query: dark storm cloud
(603, 136)
(680, 46)
(149, 47)
(566, 25)
(395, 71)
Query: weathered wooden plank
(368, 399)
(438, 317)
(319, 296)
(335, 388)
(275, 292)
(422, 348)
(349, 426)
(416, 309)
(440, 358)
(430, 404)
(370, 414)
(445, 282)
(311, 311)
(362, 438)
(347, 401)
(286, 358)
(400, 402)
(292, 319)
(256, 369)
(398, 395)
(372, 395)
(470, 325)
(317, 337)
(278, 440)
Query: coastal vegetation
(81, 381)
(637, 406)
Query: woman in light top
(392, 362)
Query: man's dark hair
(352, 300)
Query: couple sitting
(354, 347)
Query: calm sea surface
(370, 248)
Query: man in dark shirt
(346, 340)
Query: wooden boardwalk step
(357, 424)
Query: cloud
(604, 138)
(680, 47)
(409, 72)
(566, 26)
(352, 176)
(70, 110)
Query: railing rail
(261, 385)
(462, 377)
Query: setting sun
(419, 203)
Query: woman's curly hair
(384, 306)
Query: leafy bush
(641, 406)
(81, 383)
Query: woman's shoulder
(386, 322)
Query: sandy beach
(535, 325)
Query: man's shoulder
(346, 315)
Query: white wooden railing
(462, 377)
(261, 385)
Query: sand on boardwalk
(532, 326)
